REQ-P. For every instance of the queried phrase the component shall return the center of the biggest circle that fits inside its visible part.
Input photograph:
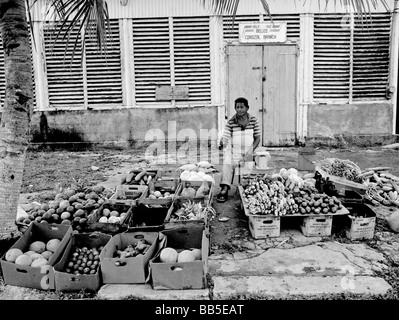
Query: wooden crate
(126, 194)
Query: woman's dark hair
(241, 100)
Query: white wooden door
(266, 76)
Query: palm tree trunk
(15, 118)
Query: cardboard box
(147, 217)
(37, 278)
(105, 227)
(127, 194)
(348, 197)
(128, 270)
(317, 226)
(176, 205)
(362, 221)
(264, 226)
(195, 185)
(70, 282)
(182, 275)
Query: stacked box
(42, 278)
(94, 223)
(317, 225)
(70, 282)
(362, 221)
(264, 226)
(182, 275)
(129, 194)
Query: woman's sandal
(221, 197)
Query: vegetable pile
(189, 210)
(141, 247)
(383, 187)
(342, 168)
(288, 193)
(84, 261)
(139, 176)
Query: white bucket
(261, 159)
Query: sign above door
(263, 32)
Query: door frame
(297, 95)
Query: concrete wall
(349, 119)
(121, 126)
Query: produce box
(65, 279)
(348, 197)
(129, 194)
(159, 195)
(317, 225)
(168, 179)
(41, 278)
(147, 217)
(140, 176)
(106, 210)
(264, 226)
(341, 184)
(172, 218)
(182, 275)
(362, 222)
(131, 269)
(195, 185)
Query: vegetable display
(288, 193)
(383, 187)
(190, 210)
(141, 247)
(342, 168)
(84, 261)
(139, 177)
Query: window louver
(192, 57)
(230, 33)
(331, 60)
(151, 57)
(371, 56)
(64, 73)
(104, 73)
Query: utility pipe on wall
(394, 62)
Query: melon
(64, 204)
(23, 260)
(393, 221)
(36, 256)
(37, 246)
(47, 255)
(29, 253)
(53, 245)
(13, 254)
(197, 253)
(39, 263)
(103, 220)
(168, 255)
(186, 256)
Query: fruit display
(139, 176)
(287, 193)
(37, 255)
(83, 260)
(191, 210)
(160, 194)
(191, 190)
(141, 247)
(171, 255)
(71, 207)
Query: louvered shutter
(331, 62)
(64, 74)
(151, 57)
(192, 57)
(230, 33)
(2, 75)
(104, 73)
(371, 56)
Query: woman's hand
(248, 156)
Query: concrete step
(284, 287)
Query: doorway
(265, 75)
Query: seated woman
(240, 138)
